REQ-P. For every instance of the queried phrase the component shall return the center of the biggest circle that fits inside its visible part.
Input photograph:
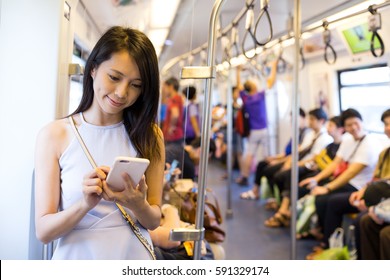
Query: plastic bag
(336, 240)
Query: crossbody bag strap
(126, 216)
(356, 148)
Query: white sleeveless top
(102, 233)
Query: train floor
(246, 236)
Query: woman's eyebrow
(121, 74)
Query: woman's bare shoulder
(55, 136)
(55, 129)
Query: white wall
(30, 33)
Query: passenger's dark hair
(337, 121)
(189, 92)
(350, 113)
(139, 118)
(385, 115)
(302, 113)
(172, 81)
(196, 144)
(319, 114)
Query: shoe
(278, 220)
(317, 250)
(249, 195)
(242, 181)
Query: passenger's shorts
(257, 139)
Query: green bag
(305, 210)
(333, 254)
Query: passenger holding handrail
(254, 102)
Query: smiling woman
(115, 118)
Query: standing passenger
(254, 102)
(173, 124)
(191, 115)
(116, 117)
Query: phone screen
(174, 164)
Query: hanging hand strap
(126, 216)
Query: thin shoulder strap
(82, 144)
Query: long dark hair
(139, 118)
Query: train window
(365, 89)
(76, 82)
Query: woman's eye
(113, 78)
(137, 86)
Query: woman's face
(116, 83)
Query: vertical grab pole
(206, 125)
(295, 105)
(229, 211)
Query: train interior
(44, 46)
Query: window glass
(368, 91)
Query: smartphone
(135, 167)
(174, 164)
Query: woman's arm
(51, 224)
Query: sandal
(272, 205)
(278, 220)
(317, 250)
(249, 195)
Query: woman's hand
(93, 186)
(133, 196)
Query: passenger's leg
(254, 193)
(338, 205)
(369, 238)
(356, 223)
(385, 243)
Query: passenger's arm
(272, 76)
(327, 172)
(239, 85)
(171, 220)
(352, 170)
(195, 125)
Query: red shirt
(176, 133)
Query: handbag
(128, 219)
(344, 164)
(242, 122)
(340, 168)
(212, 214)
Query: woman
(115, 118)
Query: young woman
(116, 117)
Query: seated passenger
(320, 139)
(369, 228)
(166, 249)
(187, 156)
(375, 232)
(360, 152)
(272, 164)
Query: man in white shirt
(361, 153)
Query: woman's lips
(114, 103)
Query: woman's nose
(121, 91)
